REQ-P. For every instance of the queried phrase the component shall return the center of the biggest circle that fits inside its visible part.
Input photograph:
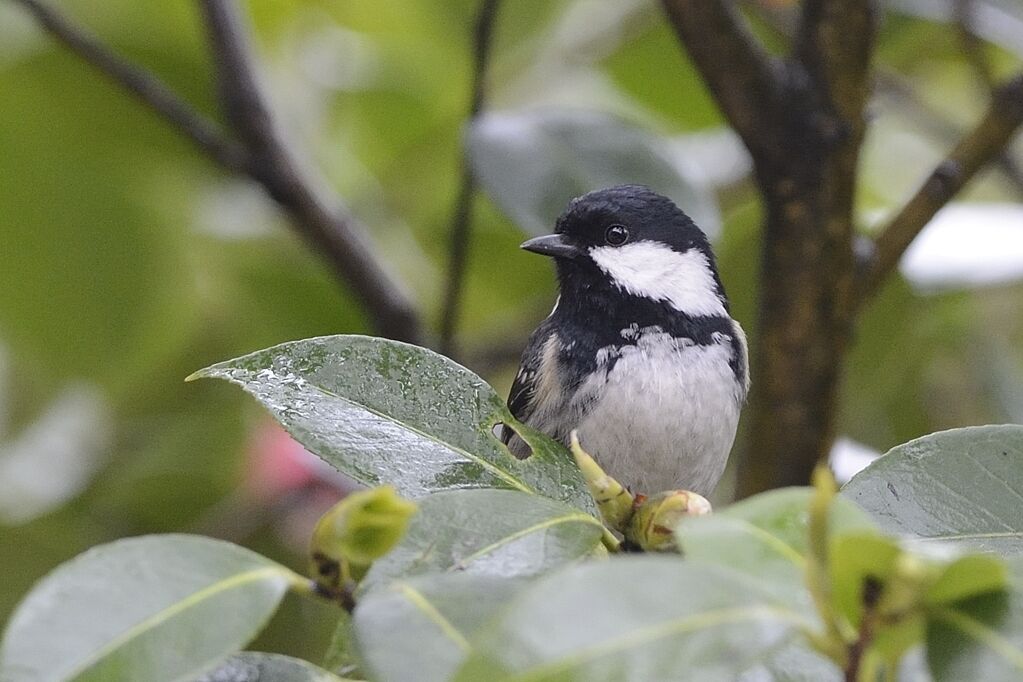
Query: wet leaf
(766, 537)
(421, 629)
(388, 412)
(493, 532)
(148, 608)
(254, 666)
(963, 486)
(644, 618)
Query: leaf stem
(861, 665)
(609, 541)
(837, 635)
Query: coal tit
(640, 353)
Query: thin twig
(973, 49)
(461, 220)
(319, 216)
(871, 595)
(974, 151)
(743, 77)
(938, 123)
(204, 133)
(315, 213)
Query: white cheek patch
(651, 270)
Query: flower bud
(356, 531)
(653, 524)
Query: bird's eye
(616, 235)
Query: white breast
(666, 416)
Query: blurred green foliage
(127, 260)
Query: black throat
(592, 315)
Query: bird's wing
(523, 390)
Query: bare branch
(318, 215)
(980, 146)
(894, 85)
(938, 123)
(144, 86)
(462, 214)
(743, 77)
(834, 43)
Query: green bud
(355, 532)
(653, 524)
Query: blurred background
(128, 259)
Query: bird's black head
(630, 242)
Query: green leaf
(421, 629)
(907, 584)
(766, 537)
(967, 577)
(532, 163)
(963, 486)
(254, 666)
(388, 412)
(494, 532)
(153, 608)
(854, 559)
(980, 638)
(643, 618)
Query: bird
(640, 354)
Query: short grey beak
(555, 245)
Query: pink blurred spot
(277, 464)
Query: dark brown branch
(896, 86)
(462, 215)
(973, 49)
(744, 79)
(981, 145)
(315, 212)
(834, 43)
(144, 86)
(319, 216)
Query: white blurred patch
(19, 35)
(967, 245)
(710, 158)
(55, 457)
(234, 210)
(337, 58)
(848, 458)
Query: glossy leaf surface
(494, 532)
(147, 608)
(963, 486)
(388, 412)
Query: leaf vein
(521, 533)
(641, 636)
(166, 614)
(417, 599)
